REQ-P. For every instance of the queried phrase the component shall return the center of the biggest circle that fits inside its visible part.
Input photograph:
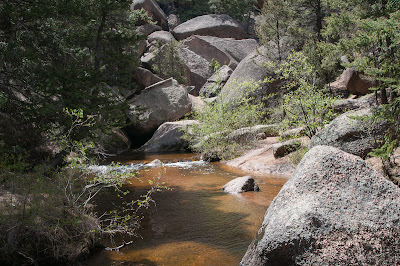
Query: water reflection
(195, 223)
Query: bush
(220, 118)
(305, 105)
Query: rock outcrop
(344, 105)
(352, 132)
(162, 102)
(145, 77)
(334, 210)
(222, 26)
(240, 185)
(352, 82)
(147, 29)
(197, 69)
(153, 10)
(251, 69)
(168, 137)
(161, 36)
(215, 83)
(226, 51)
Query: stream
(194, 223)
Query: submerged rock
(240, 185)
(334, 210)
(154, 163)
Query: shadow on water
(195, 223)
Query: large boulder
(161, 36)
(240, 185)
(352, 132)
(197, 69)
(153, 10)
(168, 137)
(162, 102)
(352, 82)
(344, 105)
(145, 77)
(251, 69)
(147, 29)
(334, 210)
(226, 51)
(214, 83)
(210, 25)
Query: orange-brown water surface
(194, 223)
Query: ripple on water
(195, 223)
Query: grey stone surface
(252, 132)
(351, 133)
(251, 69)
(154, 163)
(168, 137)
(344, 105)
(240, 185)
(162, 102)
(147, 29)
(145, 77)
(214, 83)
(331, 193)
(234, 50)
(197, 69)
(210, 25)
(161, 36)
(173, 21)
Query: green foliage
(368, 33)
(296, 156)
(219, 119)
(237, 9)
(167, 62)
(305, 104)
(58, 54)
(272, 27)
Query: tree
(62, 54)
(368, 33)
(305, 104)
(272, 26)
(219, 119)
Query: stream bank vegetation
(61, 66)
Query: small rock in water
(241, 184)
(155, 163)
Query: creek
(194, 223)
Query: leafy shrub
(305, 104)
(220, 118)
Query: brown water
(195, 223)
